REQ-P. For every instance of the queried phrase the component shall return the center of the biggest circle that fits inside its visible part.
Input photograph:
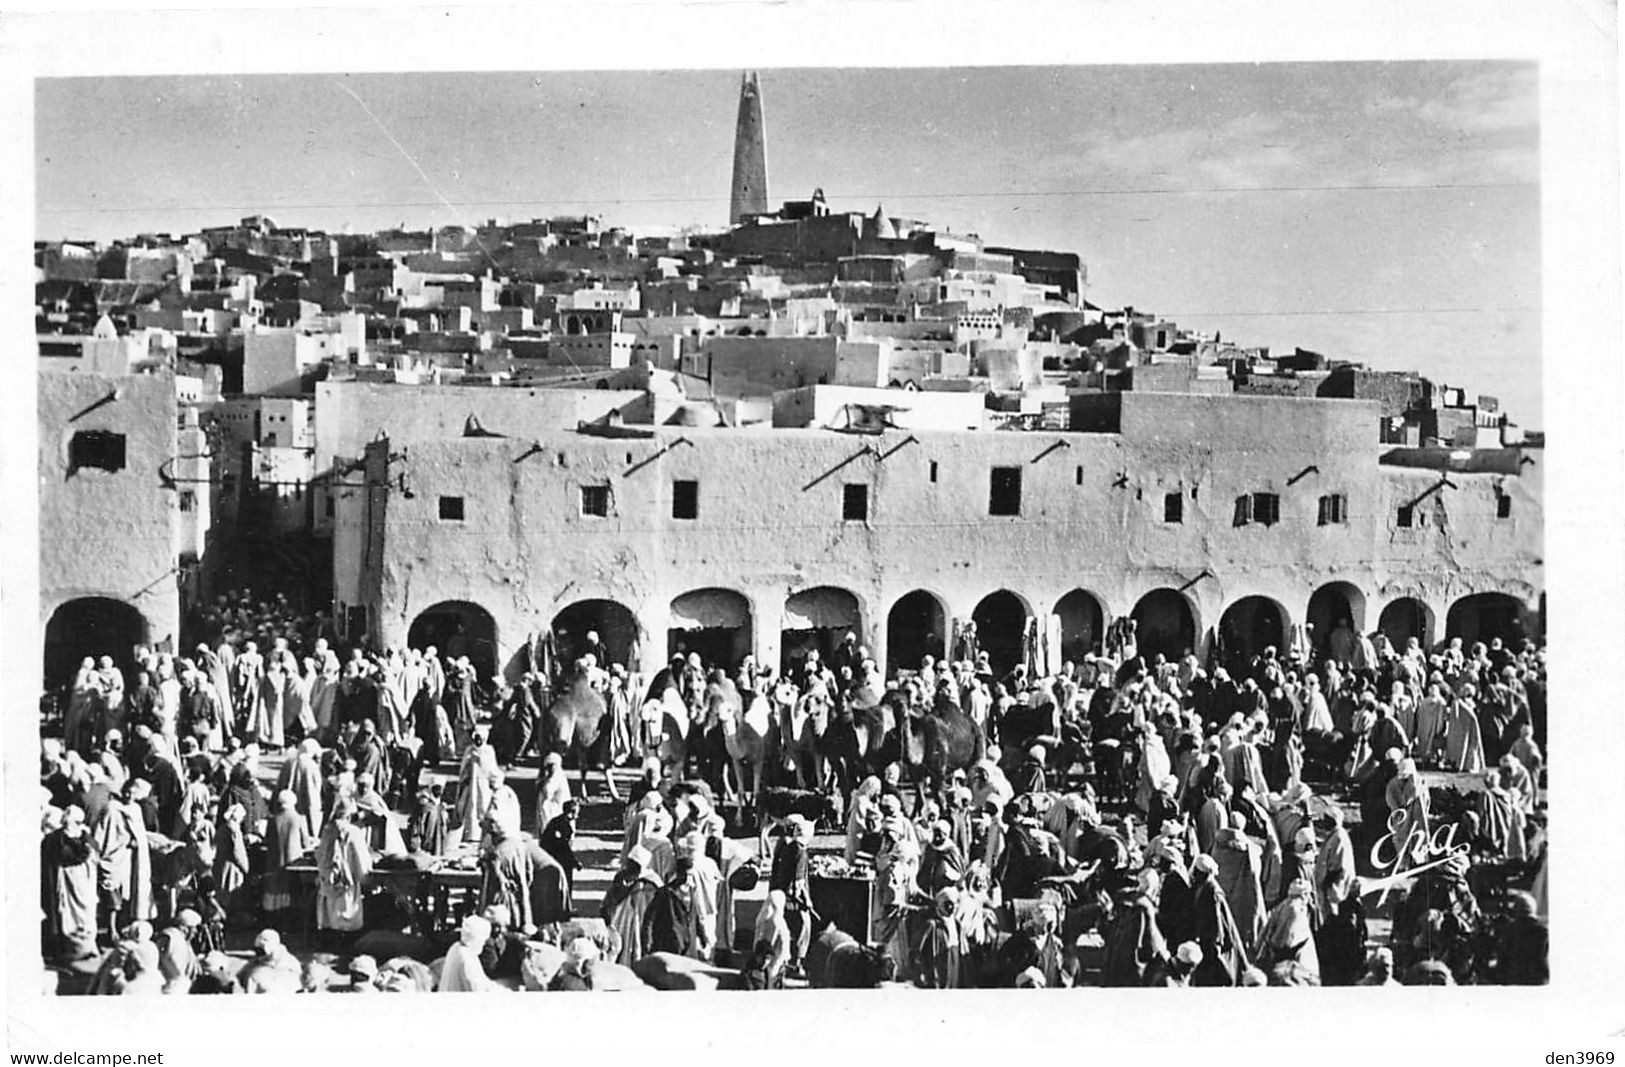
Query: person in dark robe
(141, 705)
(68, 888)
(1495, 715)
(513, 727)
(788, 874)
(550, 896)
(1223, 955)
(459, 699)
(1176, 897)
(1027, 856)
(670, 924)
(167, 789)
(941, 864)
(372, 812)
(200, 715)
(1030, 776)
(370, 756)
(1164, 805)
(287, 839)
(1034, 945)
(937, 957)
(242, 790)
(626, 902)
(426, 724)
(1521, 953)
(557, 837)
(987, 836)
(1134, 941)
(505, 873)
(651, 782)
(503, 954)
(1340, 942)
(426, 829)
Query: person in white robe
(461, 971)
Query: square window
(188, 500)
(1407, 516)
(1005, 495)
(1173, 507)
(451, 508)
(96, 448)
(1333, 509)
(1266, 509)
(595, 500)
(685, 499)
(855, 503)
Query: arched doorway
(1083, 624)
(1249, 626)
(458, 628)
(619, 634)
(1484, 617)
(1404, 619)
(1001, 630)
(818, 618)
(93, 626)
(1164, 624)
(716, 623)
(1336, 608)
(916, 628)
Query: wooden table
(437, 896)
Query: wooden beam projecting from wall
(898, 447)
(1052, 448)
(1442, 483)
(642, 463)
(1193, 581)
(865, 450)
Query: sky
(1387, 213)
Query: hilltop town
(262, 360)
(771, 523)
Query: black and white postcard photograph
(913, 520)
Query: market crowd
(1128, 819)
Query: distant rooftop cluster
(797, 297)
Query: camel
(673, 748)
(854, 739)
(801, 723)
(576, 723)
(746, 730)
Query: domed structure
(697, 416)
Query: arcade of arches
(93, 626)
(458, 628)
(718, 624)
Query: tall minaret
(750, 154)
